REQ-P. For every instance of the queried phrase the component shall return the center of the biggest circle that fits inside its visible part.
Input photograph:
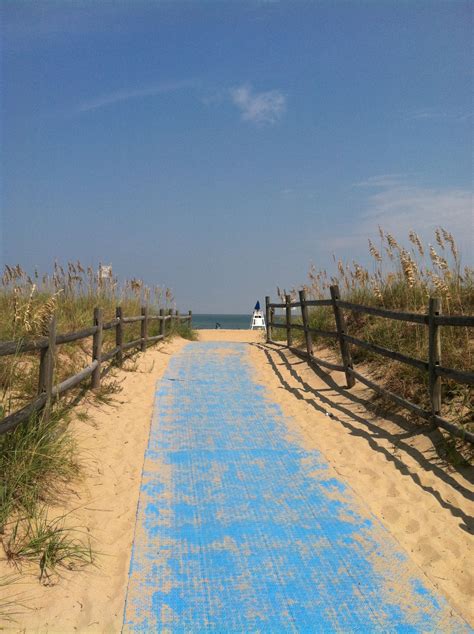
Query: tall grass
(39, 459)
(403, 276)
(28, 301)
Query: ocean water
(229, 322)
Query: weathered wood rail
(433, 320)
(47, 346)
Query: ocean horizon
(208, 321)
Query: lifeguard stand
(258, 320)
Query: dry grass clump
(38, 463)
(404, 277)
(49, 542)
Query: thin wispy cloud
(404, 206)
(256, 107)
(382, 180)
(259, 107)
(439, 114)
(112, 98)
(398, 205)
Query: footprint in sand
(412, 527)
(391, 513)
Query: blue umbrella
(257, 306)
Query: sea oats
(393, 244)
(439, 238)
(409, 267)
(415, 239)
(373, 252)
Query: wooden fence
(433, 320)
(46, 346)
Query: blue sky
(220, 148)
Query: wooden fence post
(190, 321)
(162, 322)
(119, 334)
(97, 347)
(268, 318)
(434, 355)
(46, 369)
(144, 328)
(289, 333)
(170, 314)
(305, 316)
(177, 321)
(341, 331)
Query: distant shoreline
(212, 321)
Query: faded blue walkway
(241, 530)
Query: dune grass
(39, 460)
(13, 601)
(49, 542)
(404, 277)
(28, 301)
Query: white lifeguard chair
(258, 320)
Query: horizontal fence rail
(433, 320)
(46, 346)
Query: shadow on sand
(372, 431)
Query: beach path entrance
(240, 529)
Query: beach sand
(245, 336)
(396, 471)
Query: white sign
(105, 271)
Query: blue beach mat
(239, 529)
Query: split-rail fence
(433, 320)
(46, 346)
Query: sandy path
(241, 336)
(427, 506)
(112, 443)
(240, 528)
